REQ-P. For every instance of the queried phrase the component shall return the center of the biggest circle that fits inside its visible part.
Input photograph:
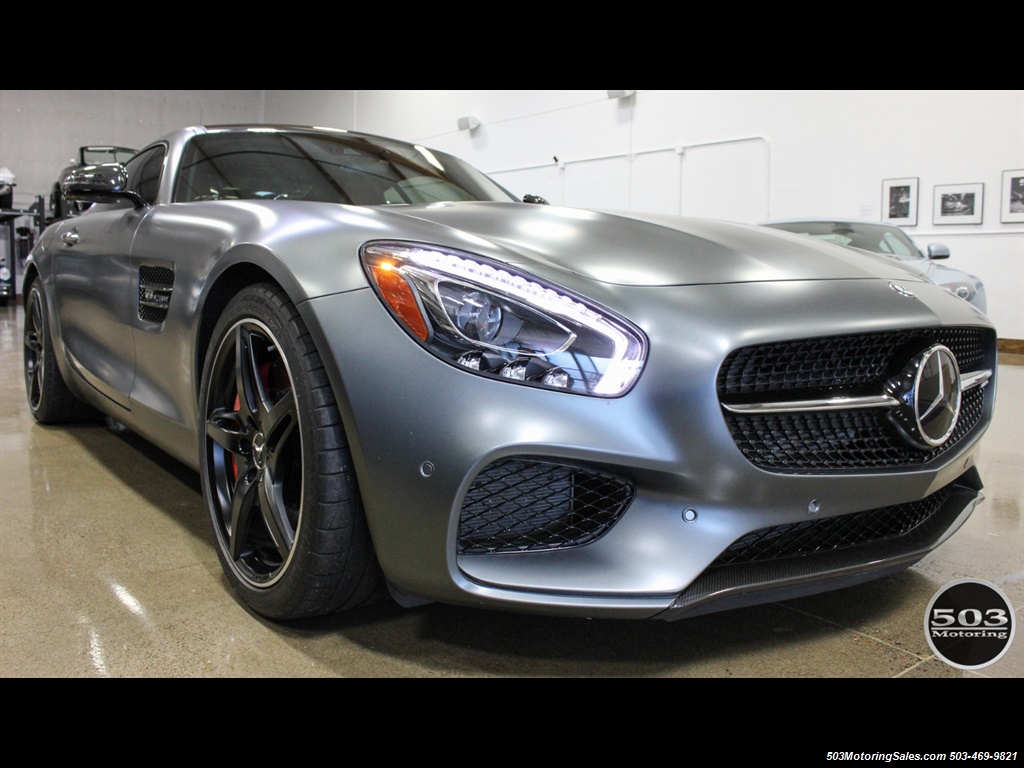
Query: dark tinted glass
(341, 168)
(144, 173)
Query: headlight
(494, 321)
(5, 274)
(964, 290)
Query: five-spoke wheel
(255, 451)
(291, 535)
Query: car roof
(289, 127)
(816, 219)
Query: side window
(201, 175)
(144, 173)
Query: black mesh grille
(859, 364)
(155, 285)
(529, 505)
(850, 361)
(849, 440)
(832, 534)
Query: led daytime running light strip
(622, 370)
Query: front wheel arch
(225, 287)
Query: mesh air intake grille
(832, 534)
(529, 505)
(155, 285)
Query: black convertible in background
(396, 378)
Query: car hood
(644, 249)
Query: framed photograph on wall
(958, 203)
(1012, 210)
(899, 201)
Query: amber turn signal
(399, 296)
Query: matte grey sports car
(394, 377)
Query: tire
(278, 482)
(49, 399)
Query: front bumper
(422, 432)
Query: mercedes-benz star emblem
(259, 455)
(928, 391)
(903, 291)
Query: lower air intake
(534, 505)
(832, 534)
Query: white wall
(739, 155)
(332, 109)
(41, 131)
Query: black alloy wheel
(49, 399)
(35, 349)
(255, 450)
(289, 529)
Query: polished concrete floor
(107, 570)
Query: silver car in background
(395, 378)
(890, 240)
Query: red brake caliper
(265, 377)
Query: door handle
(70, 238)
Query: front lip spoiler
(738, 586)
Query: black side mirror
(105, 183)
(535, 199)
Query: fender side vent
(155, 284)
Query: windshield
(97, 155)
(341, 168)
(877, 238)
